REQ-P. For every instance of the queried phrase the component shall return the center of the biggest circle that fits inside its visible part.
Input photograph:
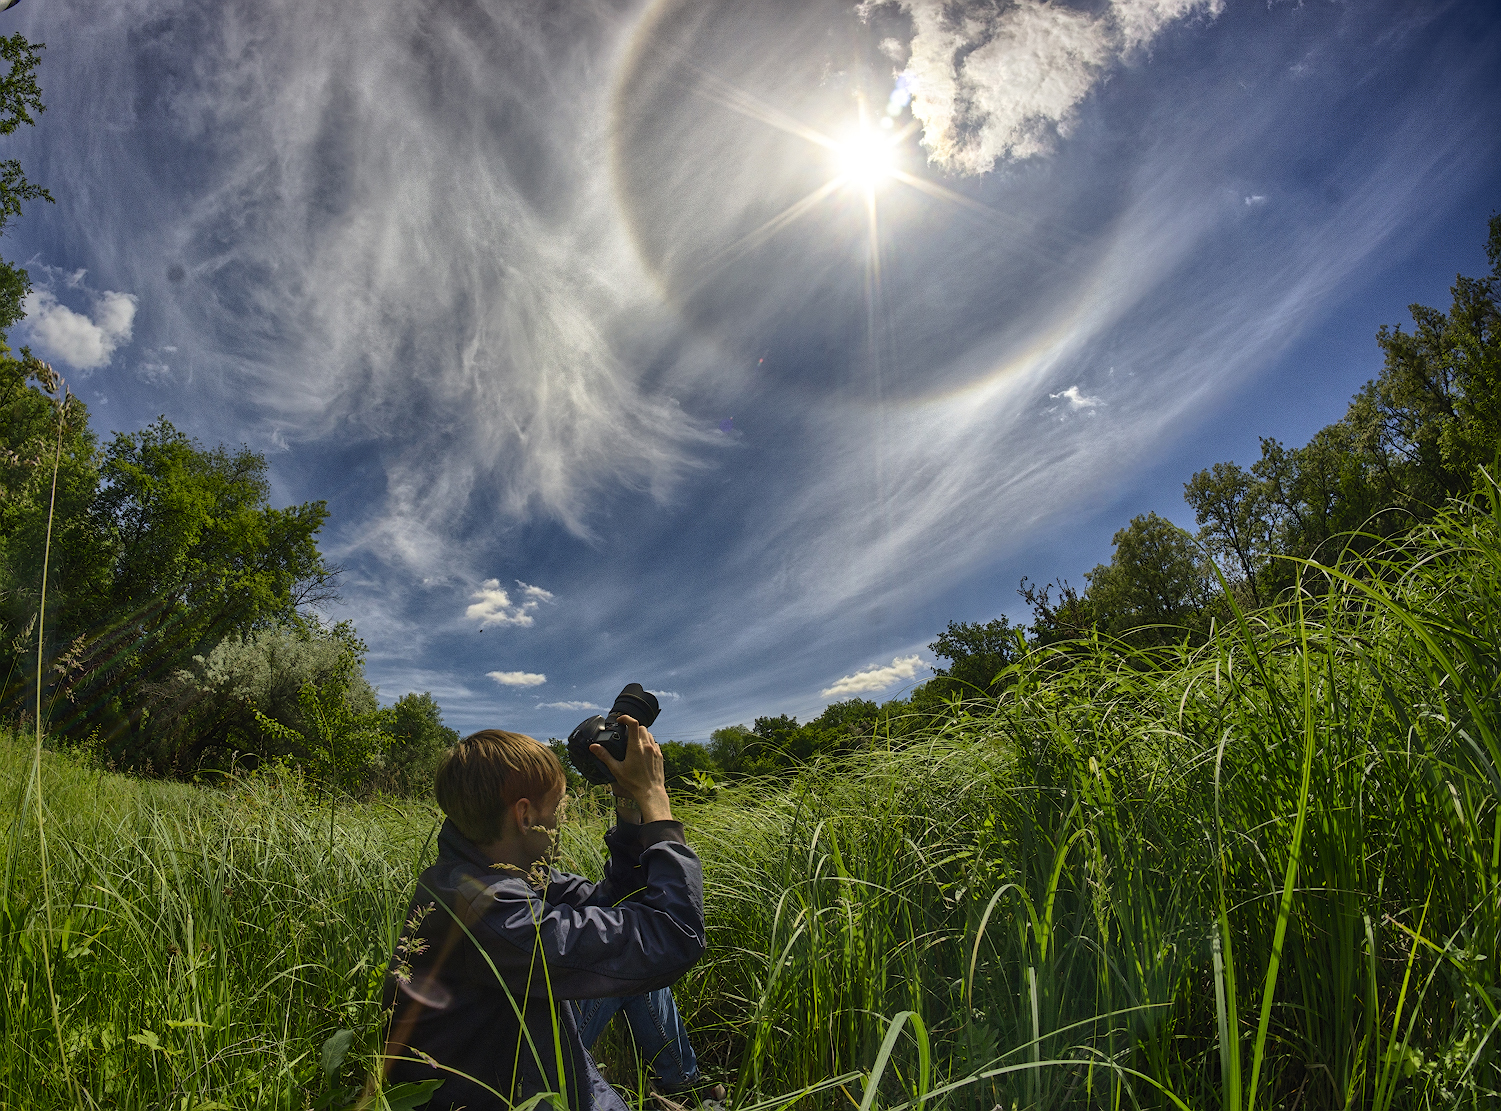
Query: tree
(727, 747)
(681, 759)
(418, 740)
(343, 739)
(44, 434)
(195, 555)
(776, 743)
(1230, 506)
(1155, 585)
(1411, 438)
(20, 103)
(977, 654)
(845, 726)
(1069, 618)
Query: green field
(1259, 872)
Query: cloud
(517, 678)
(1077, 400)
(398, 223)
(81, 341)
(493, 605)
(875, 678)
(568, 706)
(991, 83)
(1254, 200)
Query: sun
(865, 159)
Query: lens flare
(866, 159)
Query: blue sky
(613, 331)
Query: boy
(497, 941)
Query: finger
(633, 731)
(602, 754)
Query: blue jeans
(655, 1025)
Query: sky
(735, 349)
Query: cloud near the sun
(991, 83)
(874, 678)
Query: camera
(635, 701)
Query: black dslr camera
(634, 701)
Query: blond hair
(483, 775)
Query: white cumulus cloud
(84, 342)
(990, 82)
(874, 678)
(492, 604)
(568, 706)
(517, 678)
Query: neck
(511, 850)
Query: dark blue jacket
(478, 982)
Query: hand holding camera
(618, 749)
(639, 776)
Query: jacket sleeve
(596, 950)
(623, 877)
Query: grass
(1258, 873)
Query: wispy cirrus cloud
(517, 678)
(875, 678)
(492, 604)
(568, 706)
(396, 223)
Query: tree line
(181, 629)
(1414, 437)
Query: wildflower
(408, 945)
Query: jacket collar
(453, 843)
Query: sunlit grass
(1261, 872)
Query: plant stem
(36, 767)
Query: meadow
(1261, 871)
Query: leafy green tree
(342, 740)
(42, 429)
(418, 741)
(576, 781)
(977, 654)
(681, 759)
(1068, 617)
(197, 555)
(845, 726)
(728, 749)
(1230, 506)
(44, 434)
(1412, 437)
(1154, 587)
(207, 715)
(20, 103)
(776, 743)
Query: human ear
(521, 814)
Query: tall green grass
(1257, 873)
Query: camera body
(606, 730)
